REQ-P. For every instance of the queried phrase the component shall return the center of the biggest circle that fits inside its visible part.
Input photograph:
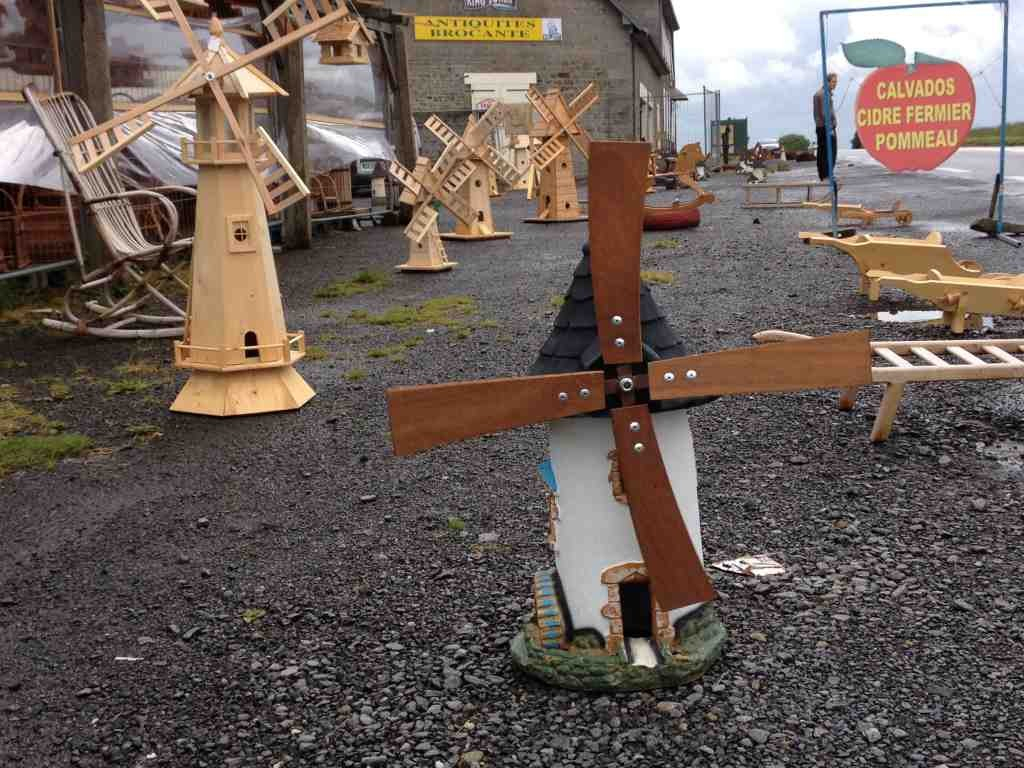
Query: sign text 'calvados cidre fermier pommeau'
(914, 119)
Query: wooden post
(298, 226)
(85, 56)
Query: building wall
(596, 46)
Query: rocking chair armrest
(174, 188)
(172, 212)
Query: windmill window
(240, 234)
(251, 340)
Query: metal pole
(826, 98)
(1002, 125)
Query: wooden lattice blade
(90, 153)
(428, 416)
(424, 218)
(676, 572)
(618, 180)
(441, 129)
(536, 98)
(162, 10)
(279, 182)
(502, 167)
(548, 151)
(828, 362)
(478, 134)
(410, 186)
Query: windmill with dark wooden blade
(626, 375)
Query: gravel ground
(293, 595)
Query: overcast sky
(764, 56)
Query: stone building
(463, 53)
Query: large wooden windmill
(624, 378)
(475, 146)
(559, 129)
(425, 187)
(236, 343)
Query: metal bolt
(670, 377)
(616, 320)
(691, 374)
(634, 426)
(638, 447)
(563, 396)
(620, 342)
(210, 77)
(584, 393)
(626, 384)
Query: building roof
(573, 345)
(649, 42)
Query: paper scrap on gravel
(751, 565)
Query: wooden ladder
(898, 363)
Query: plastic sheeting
(26, 155)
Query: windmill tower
(557, 199)
(474, 145)
(423, 186)
(236, 343)
(579, 635)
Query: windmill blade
(411, 188)
(676, 572)
(299, 17)
(536, 98)
(90, 153)
(441, 129)
(548, 151)
(502, 167)
(450, 185)
(161, 10)
(479, 133)
(584, 100)
(421, 223)
(827, 362)
(280, 185)
(618, 179)
(424, 417)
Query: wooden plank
(428, 416)
(675, 570)
(892, 357)
(949, 373)
(829, 362)
(887, 412)
(930, 357)
(966, 356)
(1003, 355)
(618, 180)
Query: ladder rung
(893, 358)
(966, 356)
(1003, 355)
(929, 357)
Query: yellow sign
(487, 29)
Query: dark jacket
(819, 110)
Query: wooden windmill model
(423, 186)
(559, 129)
(474, 145)
(624, 379)
(236, 342)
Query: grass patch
(356, 374)
(8, 392)
(665, 244)
(557, 301)
(144, 433)
(456, 524)
(489, 324)
(451, 312)
(316, 353)
(139, 368)
(989, 137)
(6, 365)
(128, 386)
(395, 353)
(656, 276)
(364, 282)
(59, 390)
(15, 419)
(39, 451)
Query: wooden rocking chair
(143, 266)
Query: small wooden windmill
(559, 129)
(423, 187)
(345, 42)
(623, 377)
(236, 343)
(474, 145)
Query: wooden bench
(898, 363)
(780, 187)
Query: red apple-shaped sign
(913, 121)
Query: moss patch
(452, 312)
(144, 433)
(356, 374)
(316, 353)
(557, 301)
(656, 276)
(39, 451)
(128, 386)
(665, 244)
(59, 390)
(366, 281)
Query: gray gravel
(381, 635)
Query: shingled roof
(574, 346)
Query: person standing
(819, 126)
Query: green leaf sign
(874, 53)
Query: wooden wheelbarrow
(898, 363)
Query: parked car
(363, 171)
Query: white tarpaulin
(26, 157)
